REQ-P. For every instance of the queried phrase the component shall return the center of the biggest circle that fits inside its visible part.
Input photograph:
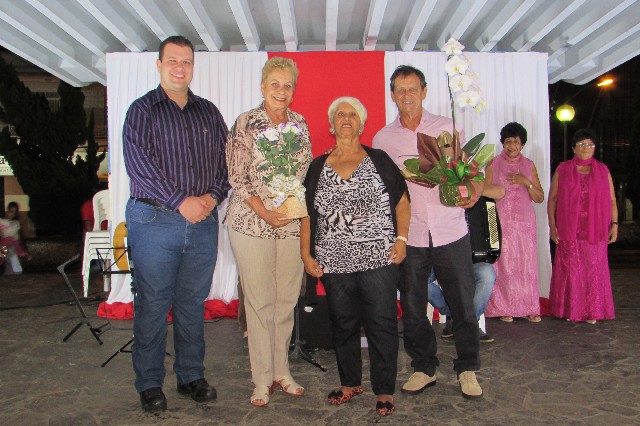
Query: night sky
(611, 112)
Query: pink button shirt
(446, 224)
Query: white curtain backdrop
(514, 86)
(231, 81)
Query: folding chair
(97, 243)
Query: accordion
(485, 231)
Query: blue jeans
(369, 298)
(172, 262)
(452, 264)
(485, 278)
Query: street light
(604, 83)
(565, 113)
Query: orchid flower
(480, 105)
(456, 65)
(452, 47)
(469, 98)
(460, 82)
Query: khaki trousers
(271, 276)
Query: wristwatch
(214, 198)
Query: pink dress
(516, 292)
(581, 283)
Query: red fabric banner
(325, 76)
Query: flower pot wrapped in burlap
(287, 194)
(292, 208)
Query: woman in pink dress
(583, 220)
(516, 292)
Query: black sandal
(385, 408)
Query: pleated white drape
(230, 80)
(514, 86)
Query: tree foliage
(42, 158)
(633, 163)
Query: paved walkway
(549, 373)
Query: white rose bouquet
(279, 146)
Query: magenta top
(568, 205)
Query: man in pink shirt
(438, 240)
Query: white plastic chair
(101, 205)
(97, 243)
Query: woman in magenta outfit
(583, 220)
(516, 292)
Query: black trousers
(452, 264)
(367, 298)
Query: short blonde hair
(354, 102)
(279, 63)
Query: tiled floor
(553, 372)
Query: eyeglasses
(585, 145)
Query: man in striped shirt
(174, 152)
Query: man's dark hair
(584, 134)
(175, 39)
(407, 70)
(13, 204)
(513, 130)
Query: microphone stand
(123, 348)
(95, 331)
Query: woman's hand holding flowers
(272, 217)
(275, 219)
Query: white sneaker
(469, 385)
(418, 382)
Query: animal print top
(244, 161)
(355, 227)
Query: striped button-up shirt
(172, 153)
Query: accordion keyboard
(494, 241)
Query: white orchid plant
(463, 82)
(279, 146)
(440, 160)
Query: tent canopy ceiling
(583, 38)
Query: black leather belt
(150, 201)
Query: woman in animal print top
(267, 144)
(353, 240)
